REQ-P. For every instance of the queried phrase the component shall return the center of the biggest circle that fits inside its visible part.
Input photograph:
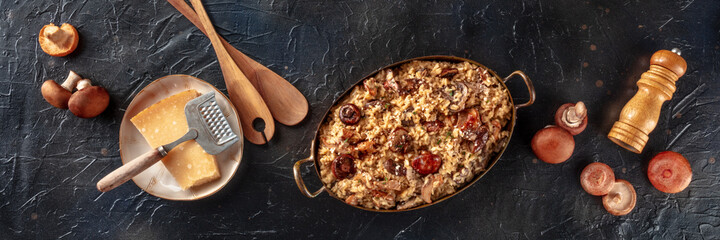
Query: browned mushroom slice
(366, 147)
(400, 140)
(374, 103)
(343, 166)
(394, 167)
(434, 126)
(371, 87)
(448, 72)
(350, 114)
(392, 85)
(458, 96)
(427, 190)
(411, 85)
(407, 117)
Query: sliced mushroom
(400, 140)
(366, 147)
(371, 86)
(343, 166)
(394, 167)
(433, 126)
(410, 86)
(350, 114)
(448, 72)
(407, 117)
(427, 190)
(458, 96)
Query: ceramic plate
(156, 180)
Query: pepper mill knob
(640, 115)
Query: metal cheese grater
(206, 125)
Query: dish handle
(299, 181)
(528, 83)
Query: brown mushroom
(572, 117)
(621, 199)
(59, 95)
(553, 144)
(89, 101)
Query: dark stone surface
(593, 51)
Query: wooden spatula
(287, 105)
(243, 95)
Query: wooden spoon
(243, 95)
(285, 102)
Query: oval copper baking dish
(493, 160)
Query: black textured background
(573, 50)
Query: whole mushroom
(572, 117)
(59, 95)
(89, 101)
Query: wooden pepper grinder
(640, 115)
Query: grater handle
(131, 169)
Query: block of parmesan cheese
(165, 122)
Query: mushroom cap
(55, 94)
(621, 199)
(553, 144)
(58, 41)
(597, 179)
(89, 101)
(669, 172)
(572, 130)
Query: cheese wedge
(165, 122)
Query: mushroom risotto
(413, 134)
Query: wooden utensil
(287, 105)
(242, 93)
(640, 115)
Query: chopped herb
(346, 140)
(414, 113)
(487, 100)
(438, 141)
(452, 93)
(387, 105)
(448, 134)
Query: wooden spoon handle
(129, 170)
(287, 105)
(243, 95)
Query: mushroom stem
(574, 115)
(71, 81)
(83, 83)
(580, 110)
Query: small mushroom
(89, 101)
(572, 117)
(553, 144)
(669, 172)
(621, 199)
(597, 179)
(59, 95)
